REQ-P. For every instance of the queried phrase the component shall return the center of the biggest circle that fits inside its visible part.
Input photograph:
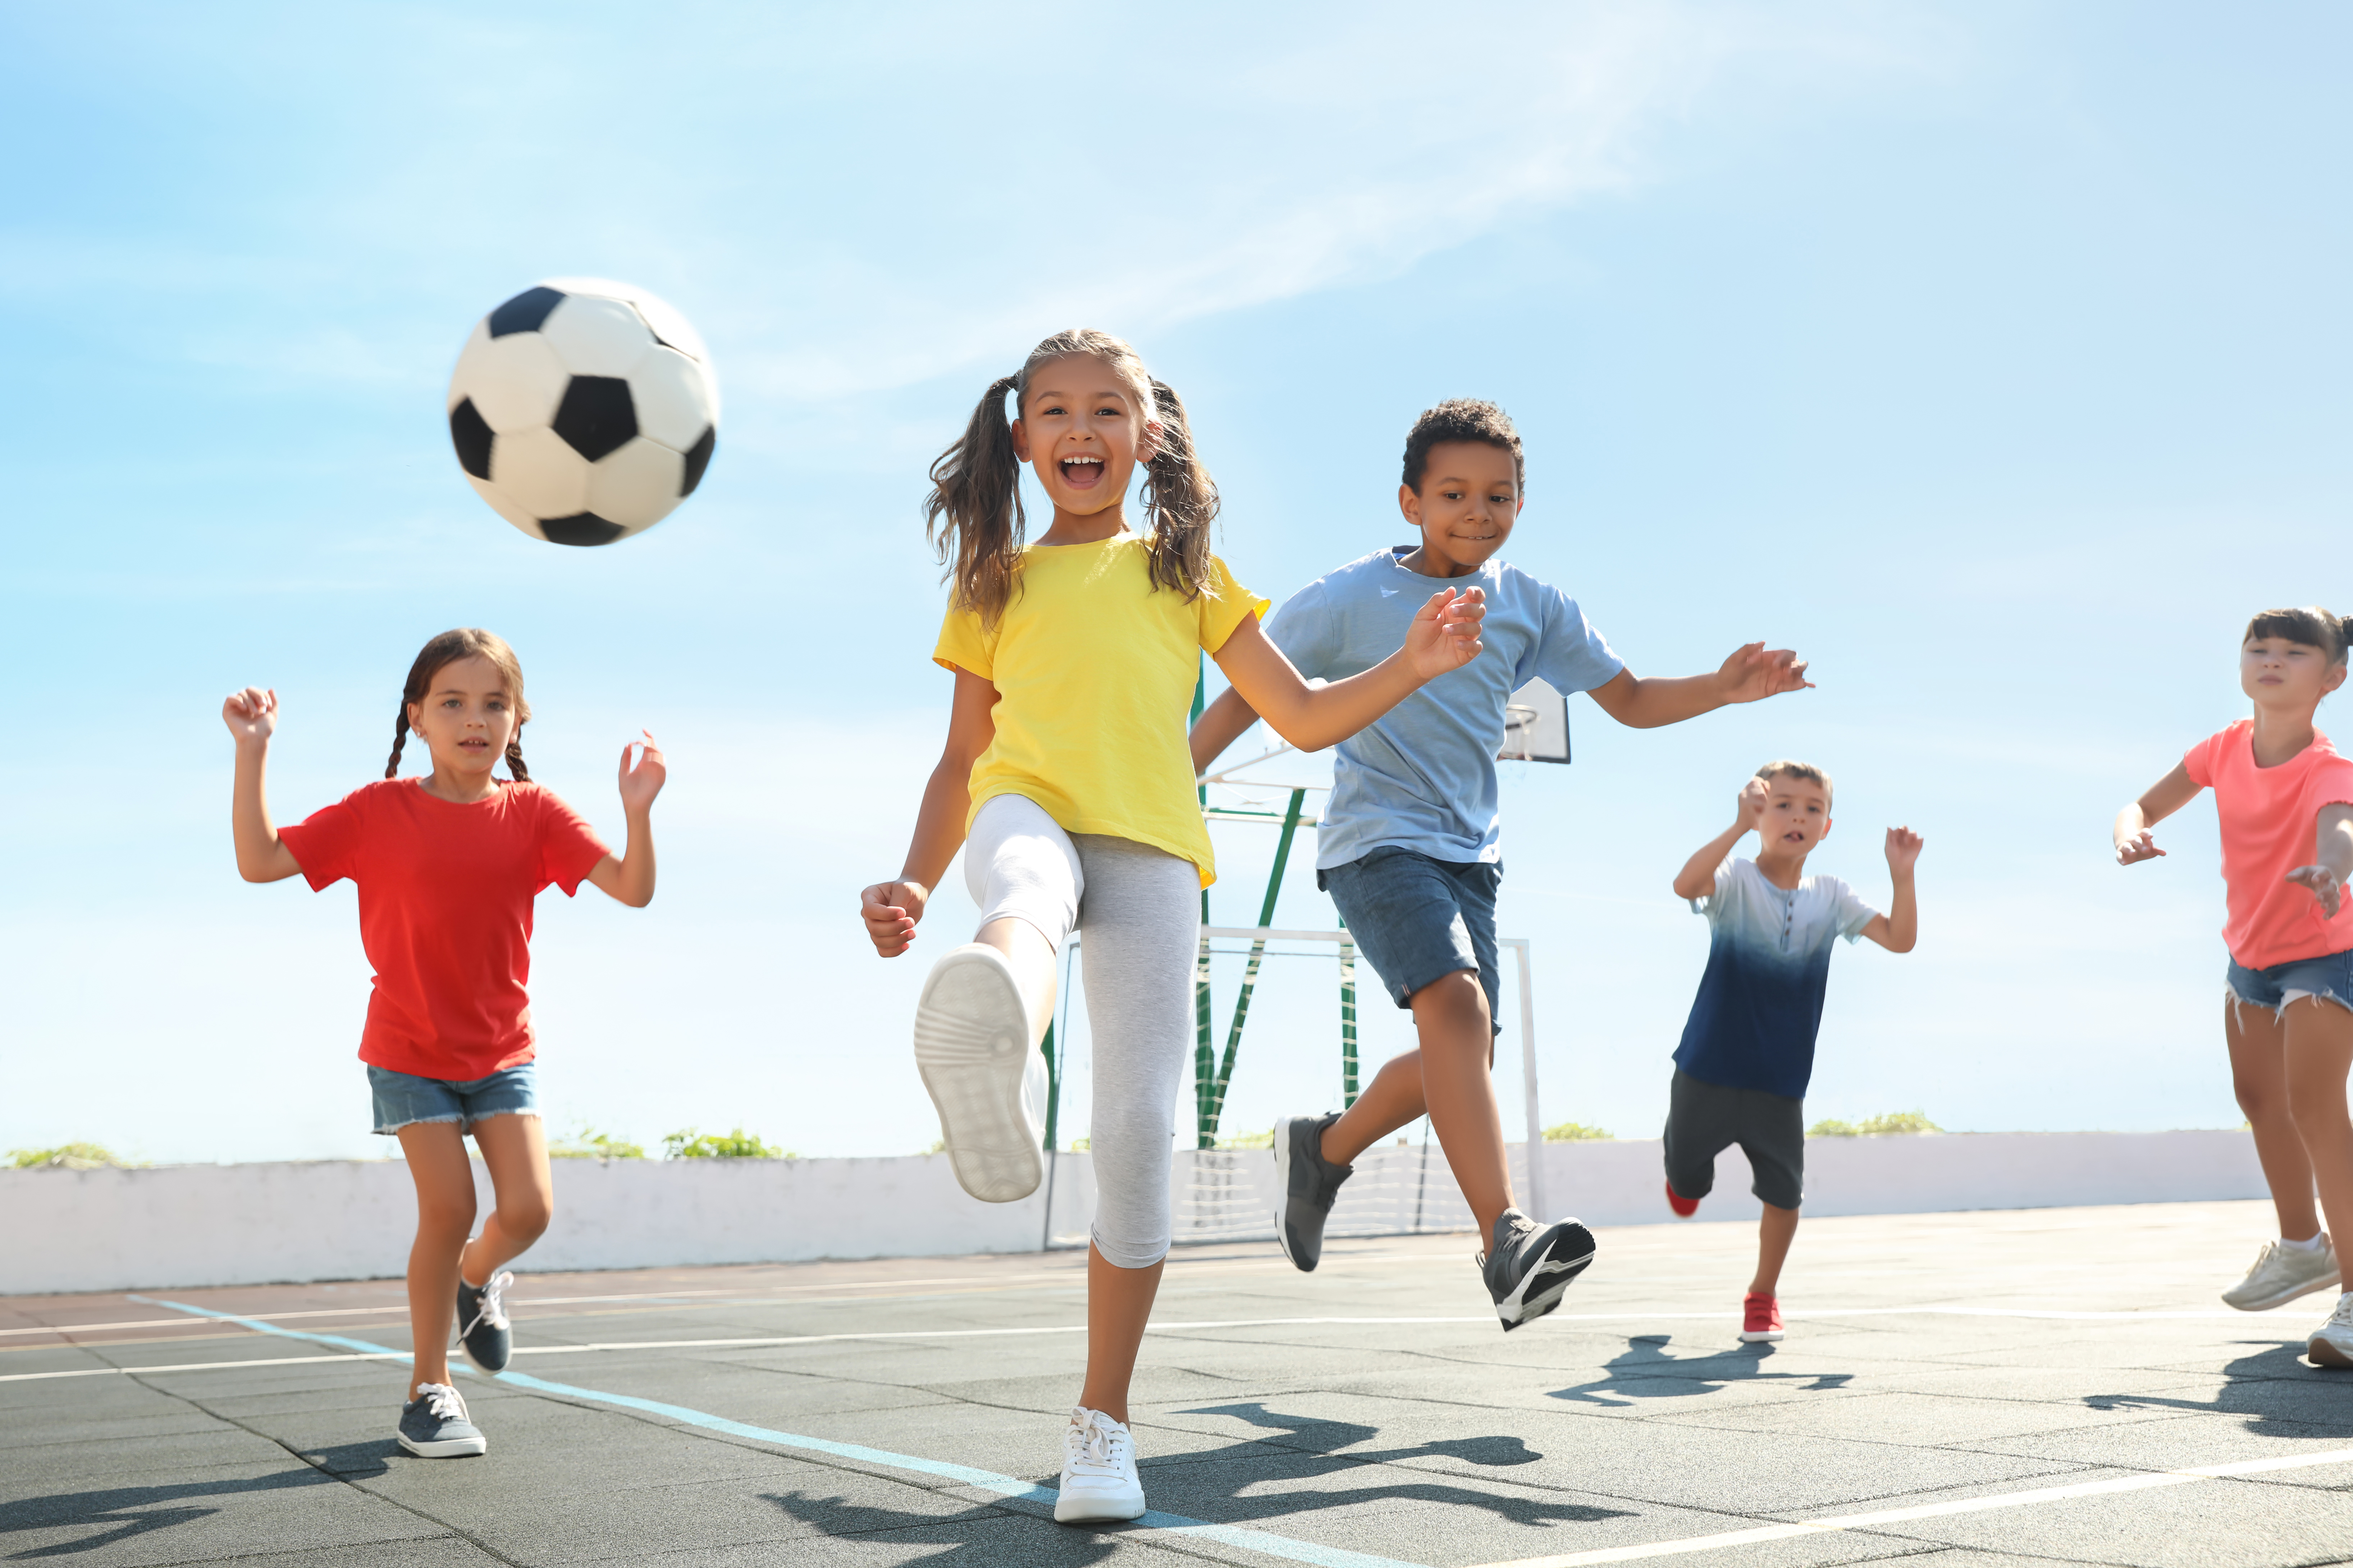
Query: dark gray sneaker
(482, 1326)
(1529, 1268)
(1308, 1183)
(433, 1425)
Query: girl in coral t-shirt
(2284, 798)
(447, 866)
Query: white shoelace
(445, 1401)
(2343, 1317)
(493, 1303)
(1095, 1444)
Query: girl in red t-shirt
(447, 866)
(2284, 798)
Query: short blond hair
(1786, 769)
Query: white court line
(1926, 1510)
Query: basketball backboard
(1535, 725)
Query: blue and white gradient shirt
(1422, 775)
(1768, 962)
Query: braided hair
(464, 642)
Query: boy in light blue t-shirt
(1410, 847)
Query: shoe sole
(2325, 1283)
(2321, 1353)
(1554, 1273)
(482, 1365)
(1103, 1511)
(972, 1048)
(453, 1448)
(1283, 1186)
(1759, 1336)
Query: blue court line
(1233, 1535)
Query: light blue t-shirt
(1759, 1006)
(1422, 776)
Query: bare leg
(1032, 957)
(1458, 1054)
(1393, 1100)
(1774, 1230)
(514, 1147)
(2319, 1053)
(445, 1217)
(1119, 1303)
(2258, 1073)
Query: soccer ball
(583, 410)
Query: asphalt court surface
(1960, 1391)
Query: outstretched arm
(1697, 879)
(2332, 857)
(892, 910)
(1220, 726)
(630, 878)
(1752, 674)
(251, 716)
(1444, 637)
(2163, 798)
(1898, 931)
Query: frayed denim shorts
(2329, 977)
(403, 1099)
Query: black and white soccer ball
(583, 410)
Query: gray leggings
(1140, 909)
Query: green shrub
(939, 1146)
(588, 1143)
(1080, 1145)
(69, 1157)
(1578, 1132)
(1881, 1126)
(1249, 1141)
(689, 1145)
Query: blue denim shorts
(2329, 976)
(1418, 919)
(402, 1098)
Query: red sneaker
(1760, 1319)
(1685, 1207)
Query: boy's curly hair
(1461, 419)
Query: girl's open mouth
(1082, 473)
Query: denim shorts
(402, 1098)
(1418, 919)
(2329, 975)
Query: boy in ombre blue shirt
(1747, 1052)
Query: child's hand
(1445, 632)
(2324, 885)
(891, 911)
(1903, 850)
(2139, 846)
(1754, 673)
(1749, 809)
(641, 784)
(252, 715)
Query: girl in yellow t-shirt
(1067, 780)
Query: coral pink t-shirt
(446, 894)
(2268, 816)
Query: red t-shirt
(446, 895)
(2268, 816)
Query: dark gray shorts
(1705, 1119)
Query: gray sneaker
(2281, 1274)
(482, 1327)
(433, 1425)
(1529, 1268)
(1308, 1183)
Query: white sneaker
(2281, 1274)
(972, 1047)
(2332, 1343)
(1099, 1480)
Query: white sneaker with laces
(2281, 1274)
(1099, 1479)
(2332, 1343)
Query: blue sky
(1993, 355)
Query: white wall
(178, 1227)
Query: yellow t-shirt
(1094, 671)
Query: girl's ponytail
(399, 739)
(514, 758)
(974, 517)
(1180, 499)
